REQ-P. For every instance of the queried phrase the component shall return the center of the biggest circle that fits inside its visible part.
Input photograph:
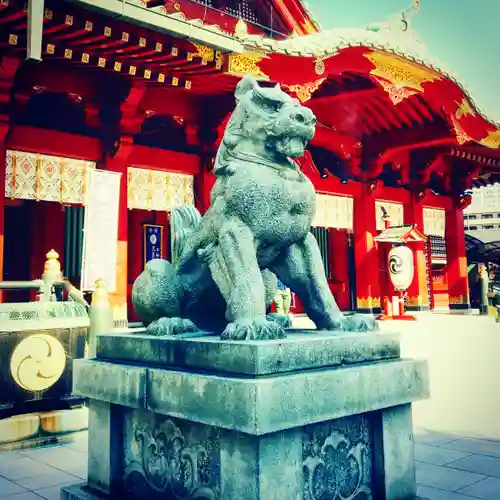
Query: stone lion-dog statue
(225, 264)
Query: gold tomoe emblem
(38, 362)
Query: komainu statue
(225, 264)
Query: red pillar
(3, 132)
(418, 294)
(458, 284)
(8, 69)
(203, 184)
(119, 164)
(366, 253)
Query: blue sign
(153, 242)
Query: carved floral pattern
(170, 463)
(337, 461)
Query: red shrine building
(120, 120)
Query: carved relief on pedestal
(164, 460)
(337, 460)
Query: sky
(462, 34)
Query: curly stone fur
(225, 263)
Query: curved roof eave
(328, 44)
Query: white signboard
(100, 229)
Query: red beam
(55, 143)
(162, 159)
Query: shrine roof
(400, 234)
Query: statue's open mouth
(292, 146)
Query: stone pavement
(448, 468)
(464, 371)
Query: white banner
(100, 239)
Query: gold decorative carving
(101, 62)
(418, 301)
(51, 48)
(308, 27)
(463, 109)
(85, 58)
(89, 26)
(159, 47)
(219, 59)
(492, 140)
(118, 66)
(48, 14)
(161, 77)
(187, 84)
(206, 54)
(462, 137)
(246, 64)
(368, 302)
(142, 41)
(174, 51)
(399, 71)
(396, 95)
(132, 70)
(68, 53)
(125, 36)
(12, 39)
(107, 31)
(305, 92)
(319, 67)
(175, 81)
(147, 74)
(460, 300)
(69, 20)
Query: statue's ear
(245, 85)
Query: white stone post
(101, 316)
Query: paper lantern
(401, 267)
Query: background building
(122, 118)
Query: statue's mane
(253, 117)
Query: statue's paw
(170, 326)
(282, 320)
(359, 323)
(258, 329)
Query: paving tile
(8, 488)
(444, 478)
(52, 493)
(488, 488)
(432, 438)
(437, 456)
(27, 495)
(482, 464)
(428, 493)
(60, 457)
(23, 467)
(55, 478)
(479, 446)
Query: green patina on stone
(225, 264)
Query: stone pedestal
(311, 417)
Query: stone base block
(306, 418)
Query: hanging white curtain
(158, 190)
(394, 210)
(33, 176)
(434, 221)
(333, 212)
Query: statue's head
(268, 121)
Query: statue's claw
(359, 323)
(170, 326)
(259, 328)
(282, 320)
